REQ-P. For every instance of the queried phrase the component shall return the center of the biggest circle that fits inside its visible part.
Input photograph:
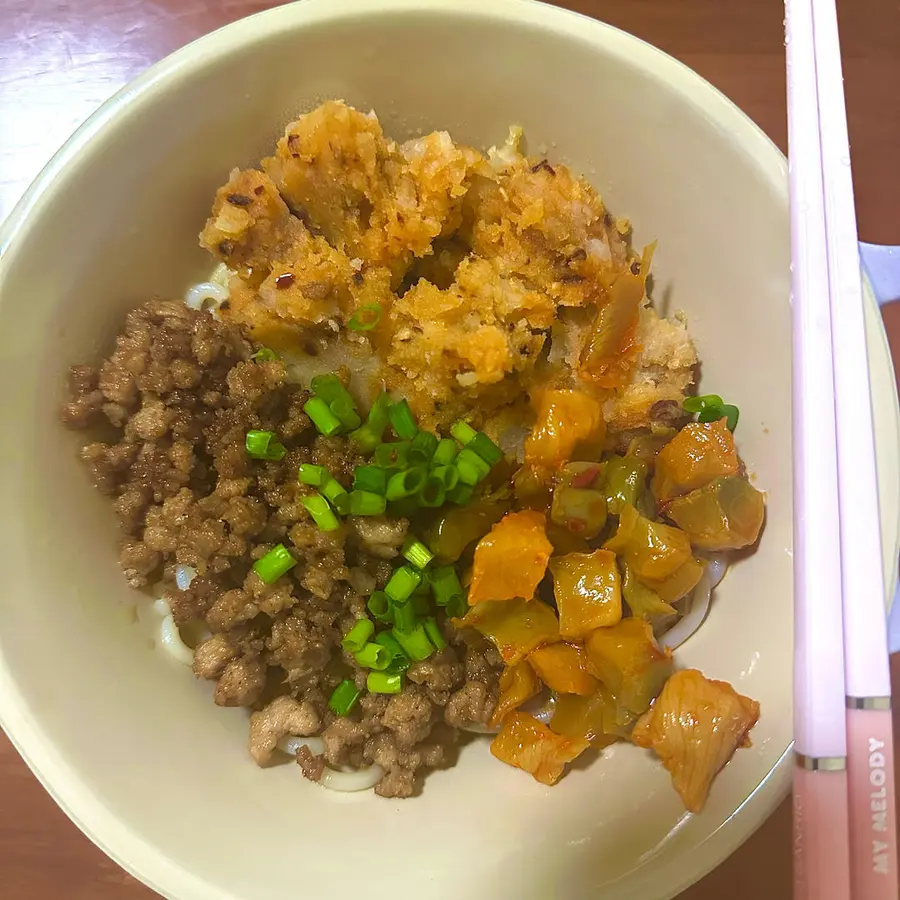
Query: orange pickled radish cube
(511, 560)
(565, 418)
(518, 684)
(630, 664)
(726, 514)
(528, 744)
(593, 718)
(694, 727)
(564, 668)
(652, 550)
(696, 455)
(514, 627)
(588, 591)
(679, 584)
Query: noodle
(206, 295)
(333, 779)
(693, 618)
(170, 641)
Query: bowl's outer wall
(127, 742)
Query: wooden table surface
(60, 59)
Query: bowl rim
(91, 814)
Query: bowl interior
(126, 740)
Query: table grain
(60, 59)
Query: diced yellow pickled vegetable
(725, 514)
(461, 526)
(511, 560)
(564, 541)
(527, 744)
(564, 668)
(699, 452)
(565, 419)
(630, 664)
(581, 474)
(653, 550)
(694, 727)
(643, 602)
(591, 718)
(647, 446)
(624, 480)
(580, 510)
(611, 351)
(588, 593)
(515, 627)
(679, 584)
(518, 684)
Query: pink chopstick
(870, 758)
(821, 831)
(844, 815)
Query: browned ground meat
(179, 393)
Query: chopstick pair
(844, 817)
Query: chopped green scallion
(402, 421)
(264, 354)
(390, 643)
(330, 388)
(326, 422)
(711, 408)
(393, 456)
(315, 476)
(698, 404)
(355, 639)
(373, 656)
(404, 616)
(471, 467)
(379, 604)
(370, 478)
(379, 412)
(399, 665)
(485, 448)
(402, 583)
(445, 584)
(433, 493)
(263, 445)
(444, 453)
(274, 564)
(448, 475)
(337, 495)
(366, 438)
(343, 698)
(384, 683)
(367, 503)
(461, 495)
(434, 633)
(417, 553)
(317, 506)
(463, 432)
(415, 643)
(726, 411)
(422, 449)
(365, 318)
(406, 484)
(345, 409)
(369, 436)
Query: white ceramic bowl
(125, 740)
